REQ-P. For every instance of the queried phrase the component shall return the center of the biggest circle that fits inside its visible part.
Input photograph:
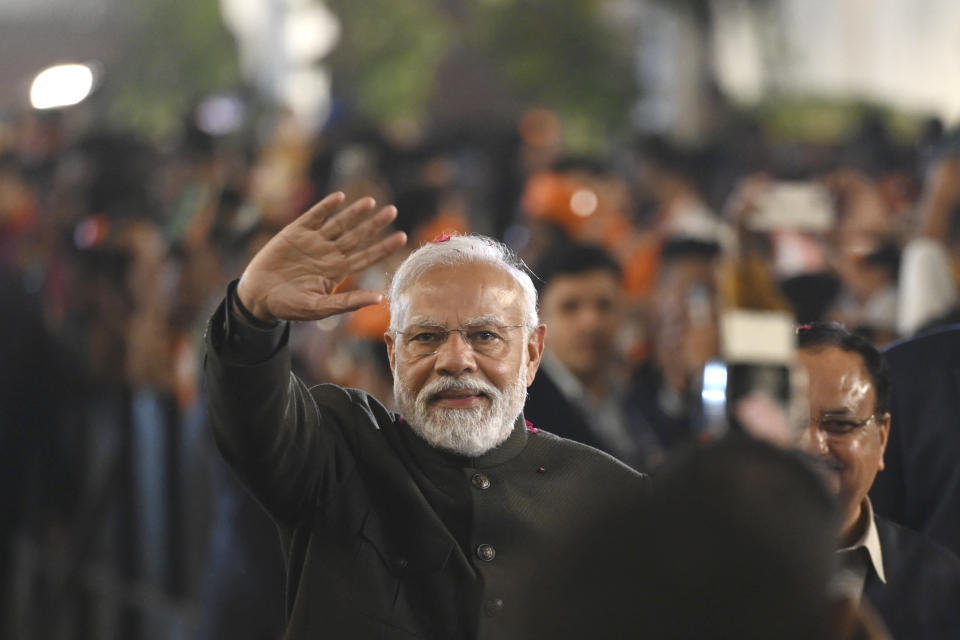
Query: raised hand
(294, 275)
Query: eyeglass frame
(480, 325)
(856, 425)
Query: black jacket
(920, 486)
(921, 598)
(385, 537)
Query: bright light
(221, 114)
(310, 33)
(61, 86)
(714, 392)
(713, 396)
(307, 92)
(715, 375)
(584, 202)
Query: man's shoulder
(922, 589)
(583, 456)
(346, 401)
(906, 551)
(940, 345)
(546, 398)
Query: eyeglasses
(490, 340)
(840, 425)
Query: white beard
(468, 432)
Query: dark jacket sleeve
(288, 451)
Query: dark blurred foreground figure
(737, 542)
(920, 487)
(581, 391)
(912, 582)
(424, 525)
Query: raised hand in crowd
(295, 275)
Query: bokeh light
(61, 86)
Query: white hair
(462, 250)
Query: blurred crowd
(119, 516)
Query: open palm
(293, 277)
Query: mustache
(440, 385)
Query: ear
(884, 432)
(535, 351)
(391, 341)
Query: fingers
(352, 227)
(364, 234)
(316, 215)
(373, 254)
(351, 300)
(334, 226)
(318, 307)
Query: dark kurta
(385, 537)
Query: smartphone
(753, 386)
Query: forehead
(592, 282)
(452, 295)
(837, 377)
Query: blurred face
(858, 276)
(462, 358)
(685, 307)
(584, 315)
(844, 433)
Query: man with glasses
(913, 583)
(426, 524)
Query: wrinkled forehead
(457, 295)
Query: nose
(455, 357)
(589, 317)
(813, 440)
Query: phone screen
(751, 388)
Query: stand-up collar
(429, 456)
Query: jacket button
(400, 564)
(493, 606)
(486, 552)
(480, 481)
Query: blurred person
(867, 257)
(667, 178)
(579, 199)
(928, 271)
(920, 486)
(40, 137)
(18, 208)
(736, 541)
(240, 561)
(868, 301)
(683, 336)
(912, 582)
(89, 261)
(581, 390)
(781, 257)
(424, 523)
(670, 206)
(243, 574)
(40, 469)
